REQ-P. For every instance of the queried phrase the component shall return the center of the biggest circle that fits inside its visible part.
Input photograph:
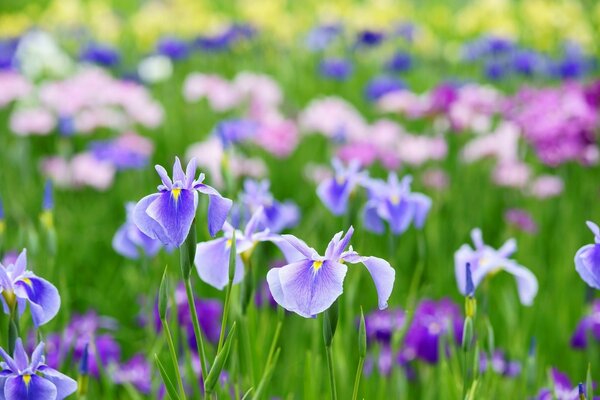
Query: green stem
(173, 357)
(225, 316)
(248, 348)
(331, 372)
(197, 331)
(361, 362)
(274, 342)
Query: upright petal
(527, 284)
(147, 224)
(178, 174)
(301, 246)
(290, 252)
(382, 273)
(20, 263)
(595, 230)
(29, 387)
(174, 213)
(20, 355)
(255, 222)
(309, 291)
(212, 263)
(190, 173)
(65, 386)
(164, 176)
(43, 298)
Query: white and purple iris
(20, 286)
(23, 379)
(131, 242)
(168, 214)
(277, 215)
(212, 257)
(310, 283)
(485, 260)
(335, 192)
(394, 202)
(587, 259)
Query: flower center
(316, 265)
(26, 379)
(395, 199)
(176, 193)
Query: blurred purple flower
(321, 37)
(561, 388)
(382, 324)
(174, 48)
(235, 131)
(335, 68)
(100, 54)
(136, 372)
(369, 38)
(587, 259)
(277, 215)
(335, 192)
(382, 85)
(399, 62)
(125, 152)
(132, 243)
(521, 219)
(499, 364)
(588, 327)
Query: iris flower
(310, 283)
(23, 379)
(168, 214)
(131, 242)
(20, 286)
(394, 202)
(485, 260)
(212, 257)
(335, 192)
(277, 215)
(587, 259)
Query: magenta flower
(310, 283)
(168, 215)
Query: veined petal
(382, 273)
(42, 296)
(300, 246)
(587, 264)
(309, 291)
(274, 283)
(164, 176)
(20, 355)
(212, 263)
(399, 215)
(527, 284)
(174, 213)
(9, 360)
(255, 222)
(29, 387)
(65, 386)
(290, 252)
(37, 356)
(190, 173)
(334, 195)
(20, 264)
(178, 174)
(147, 224)
(422, 205)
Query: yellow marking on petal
(27, 281)
(395, 199)
(176, 193)
(27, 379)
(317, 265)
(10, 298)
(228, 244)
(340, 180)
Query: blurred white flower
(155, 69)
(39, 56)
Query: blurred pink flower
(334, 118)
(546, 186)
(416, 150)
(279, 137)
(209, 156)
(14, 86)
(473, 108)
(260, 90)
(221, 94)
(365, 153)
(436, 179)
(511, 174)
(32, 121)
(520, 219)
(82, 170)
(502, 144)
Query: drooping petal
(527, 284)
(382, 273)
(308, 291)
(399, 214)
(334, 194)
(174, 213)
(65, 386)
(212, 263)
(371, 219)
(422, 205)
(147, 224)
(218, 208)
(123, 245)
(274, 283)
(595, 230)
(29, 387)
(255, 222)
(290, 252)
(43, 297)
(587, 264)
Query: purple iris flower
(277, 215)
(22, 379)
(17, 284)
(499, 363)
(174, 48)
(382, 85)
(370, 38)
(168, 215)
(495, 70)
(131, 242)
(431, 321)
(235, 131)
(321, 37)
(588, 326)
(212, 257)
(136, 372)
(485, 260)
(335, 68)
(399, 62)
(8, 49)
(100, 54)
(335, 192)
(310, 283)
(121, 154)
(263, 296)
(520, 219)
(381, 325)
(563, 389)
(587, 259)
(394, 202)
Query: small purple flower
(22, 379)
(399, 62)
(431, 321)
(335, 192)
(381, 325)
(136, 372)
(380, 86)
(500, 364)
(168, 215)
(100, 54)
(587, 259)
(485, 260)
(212, 257)
(370, 38)
(131, 242)
(393, 202)
(48, 199)
(20, 286)
(521, 219)
(277, 215)
(562, 388)
(311, 283)
(174, 48)
(126, 152)
(235, 131)
(588, 326)
(263, 296)
(335, 68)
(320, 37)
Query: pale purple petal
(587, 264)
(595, 230)
(174, 214)
(20, 263)
(255, 221)
(212, 263)
(508, 248)
(147, 224)
(123, 245)
(290, 252)
(164, 176)
(527, 284)
(382, 273)
(20, 355)
(371, 219)
(335, 194)
(43, 297)
(422, 205)
(190, 173)
(38, 388)
(218, 208)
(65, 386)
(299, 245)
(178, 175)
(275, 287)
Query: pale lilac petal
(275, 287)
(43, 297)
(212, 263)
(595, 230)
(334, 195)
(382, 273)
(20, 355)
(290, 252)
(587, 264)
(164, 176)
(527, 284)
(37, 356)
(299, 245)
(147, 224)
(508, 248)
(218, 208)
(255, 222)
(422, 205)
(123, 245)
(174, 214)
(65, 386)
(20, 263)
(190, 173)
(371, 219)
(178, 175)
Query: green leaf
(362, 336)
(171, 390)
(163, 296)
(220, 359)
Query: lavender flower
(335, 192)
(310, 283)
(587, 259)
(382, 85)
(499, 363)
(393, 202)
(135, 372)
(131, 242)
(20, 286)
(100, 54)
(168, 215)
(335, 68)
(24, 379)
(588, 326)
(174, 48)
(277, 215)
(399, 62)
(382, 324)
(562, 388)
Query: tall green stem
(361, 362)
(196, 323)
(331, 372)
(173, 357)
